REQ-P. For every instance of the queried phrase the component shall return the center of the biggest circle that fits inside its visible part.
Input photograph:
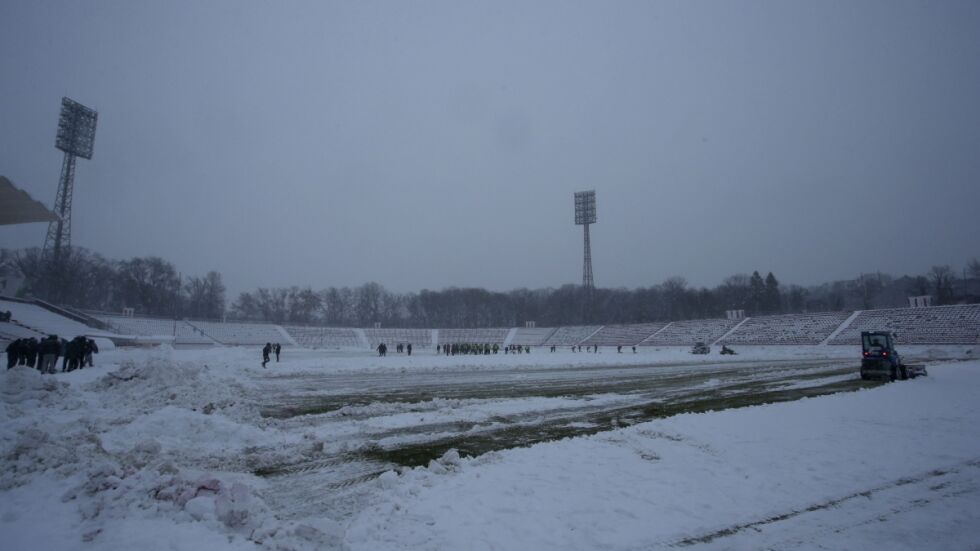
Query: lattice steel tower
(585, 215)
(76, 137)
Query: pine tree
(772, 301)
(757, 292)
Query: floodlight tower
(76, 137)
(585, 215)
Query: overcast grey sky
(429, 144)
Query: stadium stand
(623, 335)
(787, 329)
(570, 335)
(958, 324)
(241, 333)
(492, 335)
(417, 337)
(12, 331)
(324, 337)
(41, 320)
(686, 333)
(181, 331)
(935, 325)
(532, 336)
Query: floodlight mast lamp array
(76, 137)
(585, 215)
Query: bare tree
(942, 283)
(973, 268)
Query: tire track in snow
(923, 479)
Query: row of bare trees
(152, 286)
(671, 300)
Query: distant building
(11, 280)
(923, 301)
(735, 314)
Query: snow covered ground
(203, 449)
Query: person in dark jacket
(90, 348)
(409, 348)
(278, 349)
(31, 346)
(74, 352)
(49, 349)
(13, 353)
(266, 350)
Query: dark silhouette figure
(266, 350)
(30, 346)
(278, 349)
(409, 348)
(90, 348)
(49, 349)
(13, 352)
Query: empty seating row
(11, 332)
(570, 335)
(686, 333)
(241, 333)
(416, 337)
(324, 337)
(936, 325)
(181, 331)
(787, 329)
(623, 335)
(492, 335)
(531, 336)
(40, 320)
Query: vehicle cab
(878, 355)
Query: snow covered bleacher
(934, 325)
(491, 335)
(324, 337)
(12, 331)
(570, 335)
(418, 338)
(787, 329)
(532, 336)
(41, 320)
(180, 331)
(241, 333)
(623, 335)
(686, 333)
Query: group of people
(467, 349)
(268, 349)
(400, 348)
(44, 353)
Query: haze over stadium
(361, 173)
(337, 143)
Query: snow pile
(159, 381)
(117, 492)
(28, 388)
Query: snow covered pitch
(776, 448)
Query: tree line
(152, 286)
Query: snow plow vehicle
(700, 348)
(880, 360)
